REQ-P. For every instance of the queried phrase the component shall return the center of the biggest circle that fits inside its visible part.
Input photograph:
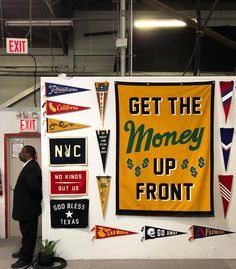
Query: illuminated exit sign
(29, 125)
(17, 45)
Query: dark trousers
(28, 230)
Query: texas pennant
(103, 188)
(201, 232)
(54, 125)
(226, 89)
(69, 213)
(104, 232)
(226, 142)
(153, 232)
(52, 89)
(101, 91)
(57, 107)
(103, 140)
(225, 190)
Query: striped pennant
(226, 89)
(226, 142)
(225, 190)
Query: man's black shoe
(20, 264)
(16, 255)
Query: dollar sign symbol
(137, 171)
(184, 164)
(130, 164)
(201, 162)
(145, 163)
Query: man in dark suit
(27, 205)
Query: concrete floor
(7, 247)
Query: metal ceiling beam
(20, 96)
(190, 22)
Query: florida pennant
(226, 142)
(226, 89)
(225, 190)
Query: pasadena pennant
(105, 232)
(103, 141)
(225, 190)
(57, 107)
(68, 151)
(54, 125)
(52, 89)
(101, 92)
(164, 148)
(226, 89)
(226, 135)
(103, 188)
(201, 232)
(154, 232)
(68, 182)
(69, 213)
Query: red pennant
(57, 107)
(104, 232)
(225, 189)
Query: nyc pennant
(201, 232)
(164, 149)
(69, 213)
(68, 151)
(54, 125)
(52, 89)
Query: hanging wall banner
(68, 182)
(164, 148)
(101, 92)
(103, 141)
(69, 213)
(54, 125)
(103, 188)
(225, 190)
(226, 135)
(68, 151)
(52, 89)
(105, 232)
(226, 89)
(57, 108)
(154, 232)
(201, 232)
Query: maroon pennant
(226, 89)
(225, 189)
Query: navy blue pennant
(226, 142)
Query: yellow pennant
(54, 125)
(103, 188)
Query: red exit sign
(29, 125)
(17, 45)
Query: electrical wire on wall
(200, 34)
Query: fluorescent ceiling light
(39, 23)
(158, 23)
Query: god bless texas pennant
(54, 125)
(52, 89)
(57, 108)
(201, 232)
(103, 141)
(154, 232)
(101, 92)
(225, 190)
(226, 89)
(103, 188)
(105, 232)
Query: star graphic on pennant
(69, 214)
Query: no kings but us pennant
(69, 213)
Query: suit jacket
(28, 192)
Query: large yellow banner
(165, 148)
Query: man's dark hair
(31, 150)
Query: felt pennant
(54, 125)
(154, 232)
(101, 92)
(105, 232)
(57, 108)
(201, 232)
(103, 188)
(226, 142)
(103, 141)
(225, 190)
(52, 89)
(226, 89)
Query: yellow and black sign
(164, 148)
